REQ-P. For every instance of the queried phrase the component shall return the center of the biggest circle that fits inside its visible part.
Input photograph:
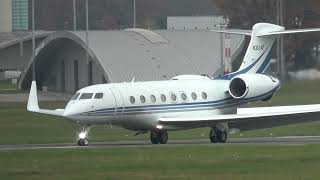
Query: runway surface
(292, 140)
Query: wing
(262, 116)
(33, 103)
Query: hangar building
(116, 56)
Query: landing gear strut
(218, 136)
(83, 136)
(157, 137)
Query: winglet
(33, 98)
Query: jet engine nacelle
(253, 85)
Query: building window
(142, 99)
(183, 97)
(98, 96)
(20, 16)
(204, 95)
(153, 98)
(194, 96)
(132, 100)
(163, 98)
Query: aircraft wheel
(222, 136)
(83, 142)
(163, 137)
(83, 136)
(154, 137)
(213, 136)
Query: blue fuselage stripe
(228, 102)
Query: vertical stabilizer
(258, 55)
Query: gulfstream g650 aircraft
(189, 101)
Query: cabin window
(183, 97)
(98, 96)
(142, 99)
(163, 98)
(86, 96)
(173, 97)
(75, 96)
(194, 96)
(153, 98)
(132, 100)
(204, 95)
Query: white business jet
(189, 101)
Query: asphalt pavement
(292, 140)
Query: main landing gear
(83, 136)
(159, 137)
(218, 135)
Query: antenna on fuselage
(133, 80)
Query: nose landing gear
(83, 136)
(157, 137)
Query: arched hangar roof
(143, 54)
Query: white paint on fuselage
(117, 109)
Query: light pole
(87, 33)
(134, 13)
(74, 16)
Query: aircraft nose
(67, 112)
(70, 110)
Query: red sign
(227, 52)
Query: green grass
(6, 87)
(6, 84)
(236, 162)
(19, 126)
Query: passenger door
(119, 103)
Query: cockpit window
(86, 96)
(75, 96)
(98, 96)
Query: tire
(163, 137)
(154, 137)
(222, 136)
(213, 136)
(85, 142)
(80, 142)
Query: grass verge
(182, 162)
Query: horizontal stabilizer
(234, 31)
(292, 31)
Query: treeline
(116, 14)
(152, 14)
(299, 49)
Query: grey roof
(11, 38)
(150, 55)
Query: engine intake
(253, 85)
(238, 88)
